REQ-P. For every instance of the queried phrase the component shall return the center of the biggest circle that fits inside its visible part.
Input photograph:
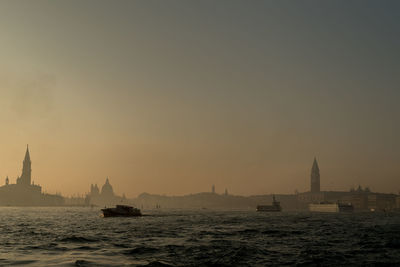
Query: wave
(77, 239)
(156, 264)
(141, 251)
(199, 239)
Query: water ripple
(80, 237)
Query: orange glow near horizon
(171, 100)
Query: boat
(121, 211)
(275, 207)
(331, 207)
(345, 207)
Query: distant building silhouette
(94, 190)
(24, 192)
(362, 199)
(315, 178)
(26, 176)
(104, 197)
(107, 190)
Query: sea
(81, 237)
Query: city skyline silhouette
(199, 133)
(237, 95)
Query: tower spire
(26, 178)
(315, 164)
(27, 156)
(315, 177)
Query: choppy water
(79, 236)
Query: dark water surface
(79, 236)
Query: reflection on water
(79, 236)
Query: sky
(171, 97)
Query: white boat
(331, 207)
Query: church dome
(107, 190)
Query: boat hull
(332, 207)
(275, 207)
(118, 214)
(121, 211)
(269, 208)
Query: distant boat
(275, 207)
(331, 207)
(121, 211)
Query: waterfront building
(381, 202)
(107, 190)
(362, 199)
(24, 192)
(104, 197)
(94, 190)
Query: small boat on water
(275, 207)
(121, 211)
(331, 207)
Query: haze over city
(172, 97)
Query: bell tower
(315, 178)
(25, 178)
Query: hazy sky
(174, 96)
